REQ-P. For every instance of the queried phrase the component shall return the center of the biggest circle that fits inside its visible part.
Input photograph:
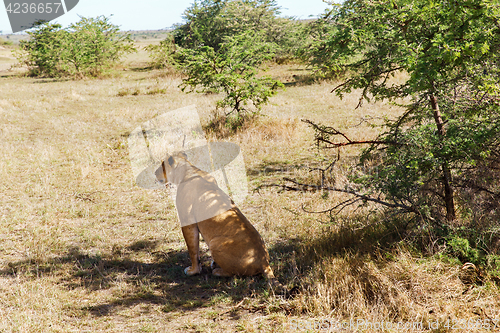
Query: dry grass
(84, 249)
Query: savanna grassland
(83, 249)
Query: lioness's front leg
(192, 238)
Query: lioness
(236, 246)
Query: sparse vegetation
(5, 42)
(162, 54)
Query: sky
(155, 14)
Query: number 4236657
(32, 8)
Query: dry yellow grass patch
(405, 289)
(82, 248)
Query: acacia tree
(210, 22)
(231, 70)
(450, 52)
(220, 48)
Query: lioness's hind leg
(214, 265)
(192, 237)
(220, 272)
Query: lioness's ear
(170, 161)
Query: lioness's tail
(273, 281)
(268, 273)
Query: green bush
(461, 249)
(162, 54)
(42, 53)
(211, 22)
(94, 45)
(86, 48)
(232, 70)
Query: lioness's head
(172, 169)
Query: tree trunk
(448, 189)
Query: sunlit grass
(84, 249)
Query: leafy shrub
(461, 249)
(211, 22)
(86, 48)
(94, 45)
(232, 70)
(42, 53)
(162, 54)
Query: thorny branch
(327, 131)
(338, 208)
(310, 187)
(357, 197)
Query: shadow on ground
(139, 273)
(297, 257)
(160, 282)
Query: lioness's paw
(220, 272)
(214, 265)
(192, 271)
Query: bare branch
(325, 129)
(341, 85)
(310, 187)
(362, 142)
(366, 119)
(476, 187)
(332, 131)
(342, 205)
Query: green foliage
(318, 46)
(42, 52)
(85, 48)
(450, 53)
(162, 54)
(211, 22)
(460, 248)
(434, 42)
(232, 70)
(93, 45)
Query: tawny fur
(236, 246)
